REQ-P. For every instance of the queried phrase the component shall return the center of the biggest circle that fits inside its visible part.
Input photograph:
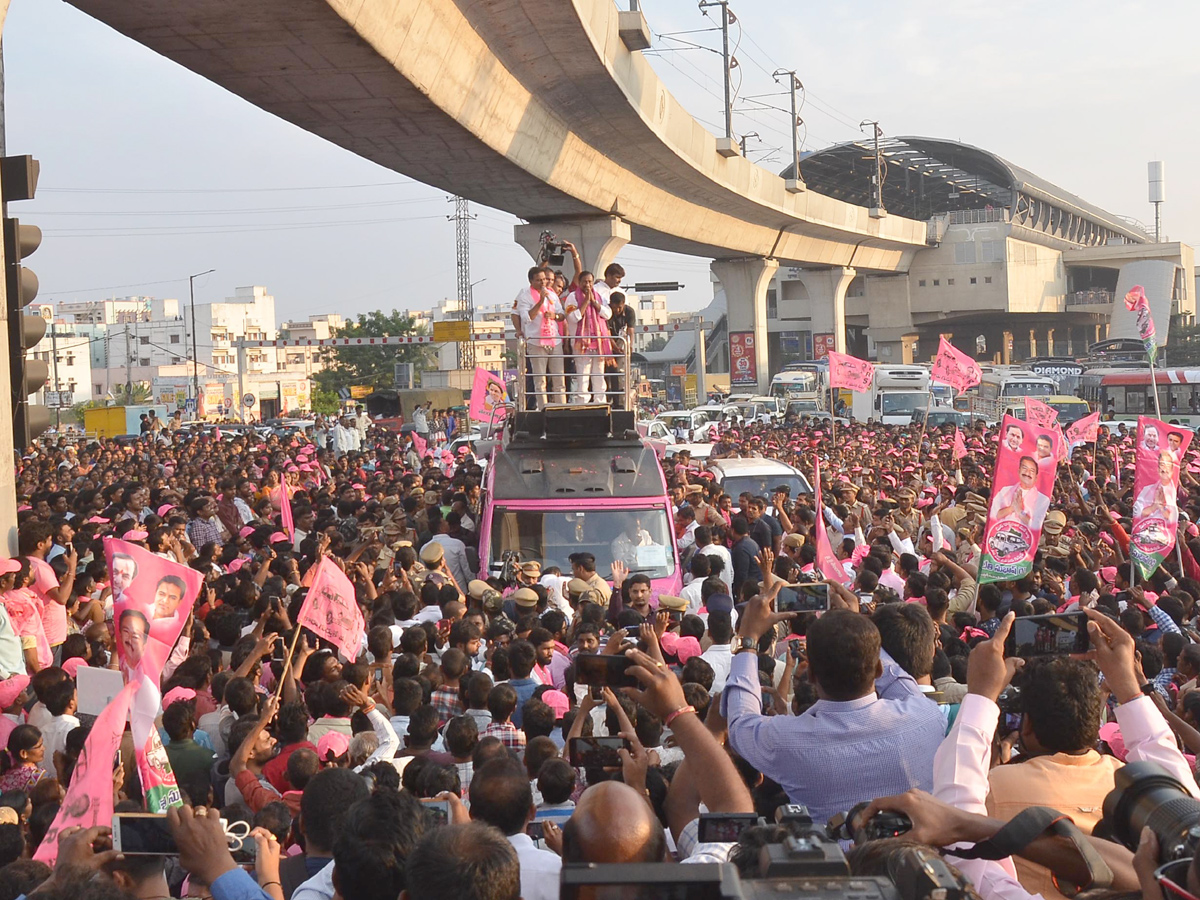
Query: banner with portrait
(1026, 462)
(152, 600)
(488, 396)
(1160, 449)
(331, 611)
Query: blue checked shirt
(839, 752)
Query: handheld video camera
(552, 249)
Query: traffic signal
(18, 181)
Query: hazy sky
(150, 173)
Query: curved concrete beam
(454, 93)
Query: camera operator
(1061, 717)
(960, 771)
(871, 724)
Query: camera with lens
(1147, 795)
(884, 824)
(509, 560)
(552, 249)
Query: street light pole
(195, 357)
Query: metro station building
(1014, 267)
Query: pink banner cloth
(850, 372)
(955, 368)
(331, 611)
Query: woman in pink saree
(587, 318)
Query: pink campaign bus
(578, 478)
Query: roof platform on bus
(610, 469)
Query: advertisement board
(743, 366)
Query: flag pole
(925, 421)
(832, 415)
(287, 662)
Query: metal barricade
(572, 389)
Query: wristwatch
(742, 644)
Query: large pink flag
(420, 445)
(960, 446)
(89, 799)
(1160, 450)
(285, 509)
(827, 562)
(850, 372)
(152, 599)
(1084, 431)
(1043, 415)
(331, 611)
(955, 368)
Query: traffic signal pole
(8, 452)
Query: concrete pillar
(1032, 343)
(598, 240)
(745, 282)
(1006, 349)
(1070, 342)
(827, 290)
(1050, 341)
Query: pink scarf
(550, 335)
(592, 330)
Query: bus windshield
(1028, 389)
(788, 384)
(640, 538)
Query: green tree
(1184, 347)
(325, 402)
(373, 366)
(656, 343)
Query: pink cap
(687, 648)
(278, 537)
(332, 745)
(176, 694)
(1110, 733)
(9, 565)
(24, 507)
(165, 508)
(11, 689)
(73, 665)
(136, 535)
(558, 702)
(358, 487)
(97, 520)
(246, 531)
(293, 468)
(235, 564)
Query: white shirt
(420, 423)
(727, 571)
(532, 328)
(54, 734)
(319, 887)
(691, 593)
(244, 510)
(720, 658)
(539, 869)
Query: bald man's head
(588, 836)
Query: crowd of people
(436, 761)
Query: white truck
(896, 391)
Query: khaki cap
(577, 587)
(533, 567)
(432, 553)
(666, 601)
(432, 498)
(476, 587)
(1055, 522)
(525, 597)
(793, 540)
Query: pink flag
(420, 445)
(1138, 303)
(955, 368)
(850, 372)
(1084, 431)
(89, 799)
(331, 610)
(960, 446)
(1160, 449)
(1043, 415)
(152, 599)
(827, 562)
(285, 509)
(488, 396)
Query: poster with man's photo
(1024, 481)
(152, 600)
(1160, 449)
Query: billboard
(743, 365)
